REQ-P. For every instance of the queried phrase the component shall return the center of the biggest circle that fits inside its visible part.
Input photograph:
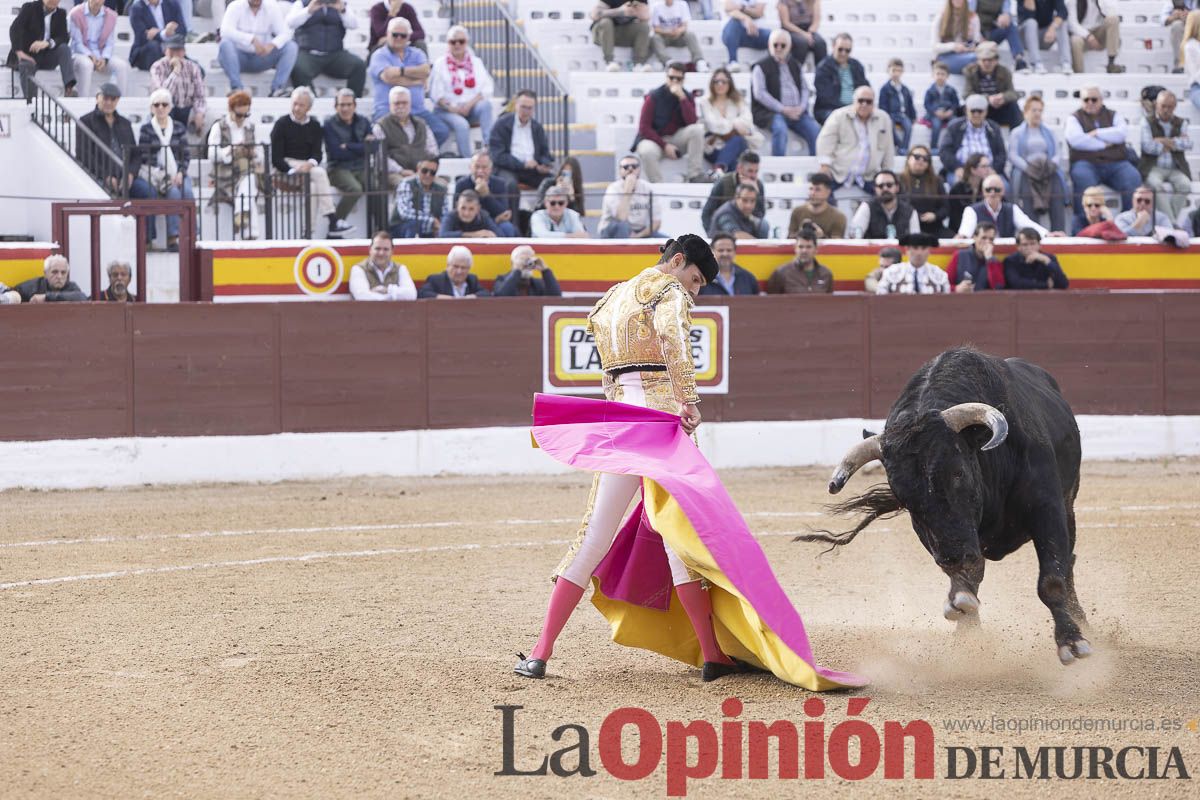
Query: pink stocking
(698, 606)
(563, 599)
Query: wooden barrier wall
(97, 370)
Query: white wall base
(102, 463)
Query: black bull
(984, 455)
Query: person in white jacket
(461, 90)
(1100, 26)
(380, 278)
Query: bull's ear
(868, 434)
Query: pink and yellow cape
(684, 503)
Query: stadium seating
(605, 107)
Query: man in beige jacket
(856, 142)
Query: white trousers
(117, 70)
(613, 496)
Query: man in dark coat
(36, 44)
(1030, 268)
(780, 97)
(55, 286)
(723, 190)
(954, 150)
(457, 281)
(116, 133)
(529, 276)
(152, 20)
(828, 78)
(518, 143)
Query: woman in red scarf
(461, 90)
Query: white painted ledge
(102, 463)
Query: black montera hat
(695, 251)
(918, 240)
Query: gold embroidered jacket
(644, 322)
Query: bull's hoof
(1080, 648)
(961, 605)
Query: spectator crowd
(992, 164)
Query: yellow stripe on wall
(17, 270)
(614, 266)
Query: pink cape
(603, 436)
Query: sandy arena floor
(351, 639)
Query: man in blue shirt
(397, 64)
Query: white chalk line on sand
(391, 551)
(145, 537)
(318, 556)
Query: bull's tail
(878, 502)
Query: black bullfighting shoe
(715, 669)
(532, 667)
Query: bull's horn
(964, 414)
(862, 453)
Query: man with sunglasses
(780, 97)
(397, 64)
(255, 37)
(668, 127)
(420, 203)
(630, 210)
(556, 221)
(856, 142)
(1007, 217)
(1098, 148)
(1143, 218)
(886, 215)
(966, 136)
(836, 78)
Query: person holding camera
(320, 30)
(529, 276)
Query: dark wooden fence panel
(206, 370)
(65, 377)
(353, 366)
(1105, 350)
(1181, 354)
(905, 335)
(96, 370)
(484, 361)
(794, 358)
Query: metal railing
(78, 141)
(515, 64)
